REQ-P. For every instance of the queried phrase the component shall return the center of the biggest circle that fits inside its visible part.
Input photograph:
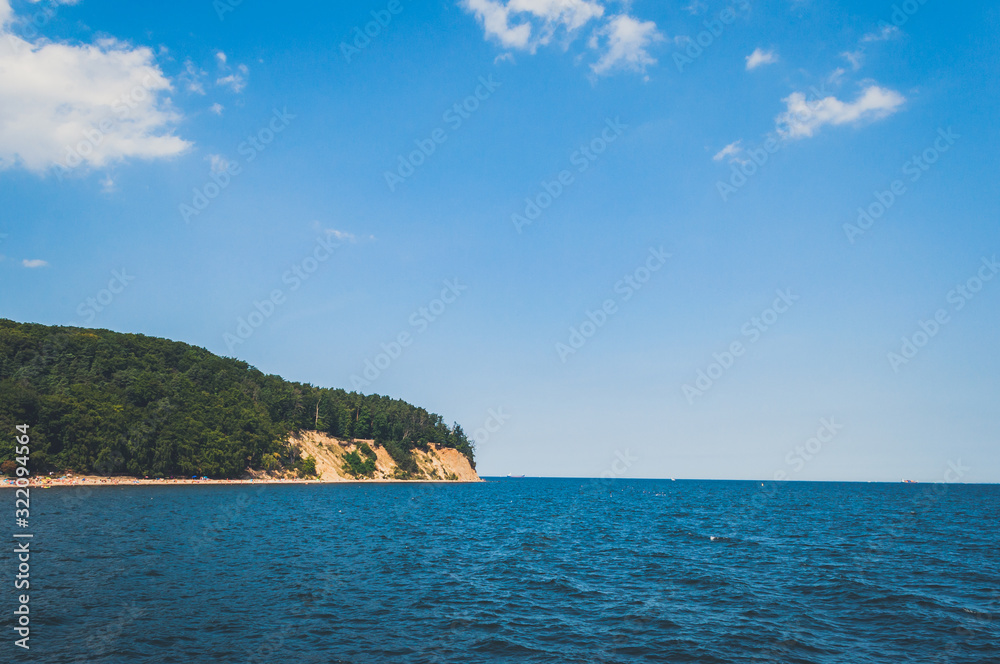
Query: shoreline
(97, 481)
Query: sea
(512, 570)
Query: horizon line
(716, 479)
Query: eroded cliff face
(437, 463)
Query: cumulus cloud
(627, 44)
(803, 118)
(760, 57)
(524, 25)
(33, 262)
(528, 24)
(216, 108)
(70, 104)
(495, 18)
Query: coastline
(98, 481)
(435, 464)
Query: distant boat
(909, 481)
(515, 477)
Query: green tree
(110, 403)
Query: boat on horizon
(515, 477)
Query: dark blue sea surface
(532, 570)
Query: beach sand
(96, 480)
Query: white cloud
(760, 57)
(33, 262)
(835, 76)
(221, 57)
(627, 41)
(216, 108)
(525, 25)
(696, 7)
(217, 163)
(504, 57)
(886, 32)
(108, 184)
(191, 77)
(341, 235)
(70, 104)
(236, 81)
(537, 20)
(733, 150)
(856, 58)
(495, 18)
(803, 118)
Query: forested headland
(102, 402)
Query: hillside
(108, 403)
(331, 455)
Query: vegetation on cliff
(109, 403)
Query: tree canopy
(127, 404)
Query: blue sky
(496, 182)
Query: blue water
(527, 570)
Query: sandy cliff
(437, 463)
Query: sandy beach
(90, 480)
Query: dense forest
(126, 404)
